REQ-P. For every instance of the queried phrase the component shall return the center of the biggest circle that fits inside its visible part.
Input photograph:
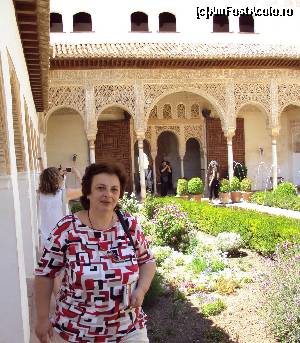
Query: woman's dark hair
(96, 169)
(50, 181)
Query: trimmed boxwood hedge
(261, 232)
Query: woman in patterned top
(105, 277)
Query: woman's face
(105, 192)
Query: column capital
(140, 135)
(275, 132)
(229, 133)
(91, 136)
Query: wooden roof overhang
(33, 23)
(178, 63)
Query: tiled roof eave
(114, 62)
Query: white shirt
(51, 210)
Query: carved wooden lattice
(73, 97)
(115, 95)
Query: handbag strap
(125, 228)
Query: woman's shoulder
(65, 223)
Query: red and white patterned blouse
(99, 269)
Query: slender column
(274, 162)
(229, 134)
(141, 167)
(153, 155)
(181, 165)
(230, 158)
(92, 150)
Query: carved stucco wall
(118, 88)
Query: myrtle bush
(172, 226)
(286, 189)
(281, 294)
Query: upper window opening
(56, 24)
(220, 23)
(139, 22)
(167, 22)
(246, 23)
(82, 22)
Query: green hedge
(261, 232)
(273, 199)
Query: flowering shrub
(161, 253)
(129, 203)
(229, 242)
(172, 226)
(281, 294)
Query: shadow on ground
(178, 321)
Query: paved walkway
(265, 209)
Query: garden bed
(176, 320)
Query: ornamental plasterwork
(115, 76)
(68, 96)
(252, 92)
(181, 111)
(295, 130)
(148, 134)
(167, 111)
(288, 94)
(215, 90)
(171, 128)
(193, 131)
(153, 113)
(115, 95)
(195, 111)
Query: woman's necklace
(92, 227)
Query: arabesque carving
(67, 96)
(195, 111)
(167, 111)
(171, 128)
(288, 94)
(181, 111)
(115, 94)
(214, 90)
(193, 131)
(153, 113)
(252, 92)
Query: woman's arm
(147, 271)
(43, 291)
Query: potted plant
(224, 194)
(235, 189)
(195, 188)
(182, 188)
(246, 189)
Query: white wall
(66, 136)
(258, 164)
(112, 20)
(16, 240)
